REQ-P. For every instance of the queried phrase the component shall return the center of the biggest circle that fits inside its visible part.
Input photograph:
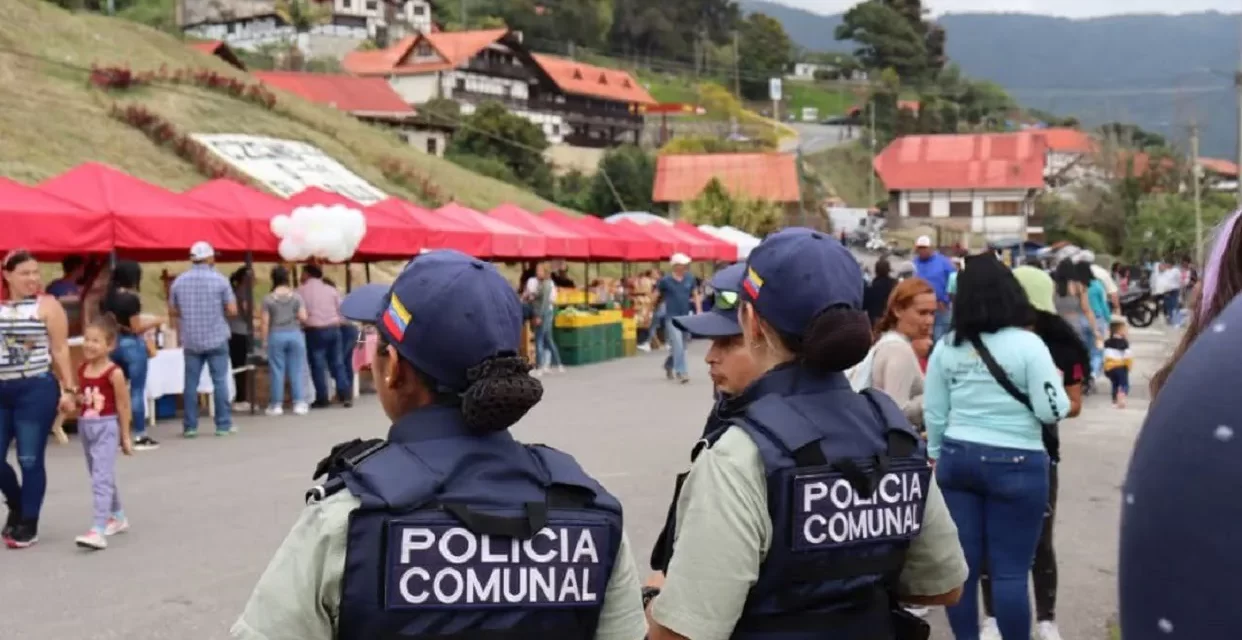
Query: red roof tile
(1219, 166)
(589, 80)
(764, 176)
(1065, 140)
(964, 161)
(352, 94)
(452, 49)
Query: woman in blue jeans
(34, 351)
(124, 304)
(990, 459)
(280, 327)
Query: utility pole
(1194, 176)
(871, 174)
(737, 76)
(801, 182)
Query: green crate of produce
(577, 338)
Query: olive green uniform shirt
(724, 531)
(299, 595)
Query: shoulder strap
(784, 426)
(999, 374)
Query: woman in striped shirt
(34, 338)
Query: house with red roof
(773, 177)
(368, 99)
(573, 102)
(250, 24)
(984, 184)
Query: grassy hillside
(847, 170)
(51, 119)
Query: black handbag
(1052, 439)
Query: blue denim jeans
(27, 411)
(997, 497)
(219, 368)
(1097, 352)
(131, 356)
(942, 323)
(546, 352)
(349, 341)
(677, 339)
(286, 358)
(327, 357)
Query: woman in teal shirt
(1097, 295)
(991, 462)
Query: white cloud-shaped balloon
(330, 233)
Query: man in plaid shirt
(200, 300)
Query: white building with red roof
(984, 184)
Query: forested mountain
(1157, 71)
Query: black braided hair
(501, 391)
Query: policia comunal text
(809, 510)
(450, 528)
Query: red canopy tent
(47, 225)
(560, 241)
(682, 242)
(440, 233)
(508, 241)
(723, 250)
(390, 234)
(149, 221)
(642, 246)
(669, 243)
(259, 207)
(603, 243)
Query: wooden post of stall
(247, 367)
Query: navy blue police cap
(721, 321)
(445, 313)
(1180, 563)
(796, 274)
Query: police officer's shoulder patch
(343, 457)
(830, 512)
(436, 563)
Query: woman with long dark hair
(125, 305)
(1073, 302)
(36, 379)
(991, 386)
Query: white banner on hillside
(288, 167)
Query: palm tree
(303, 15)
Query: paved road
(813, 138)
(208, 513)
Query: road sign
(774, 89)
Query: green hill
(52, 118)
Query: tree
(493, 132)
(626, 172)
(715, 206)
(766, 53)
(303, 15)
(1130, 135)
(892, 34)
(678, 31)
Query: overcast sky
(1067, 8)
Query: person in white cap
(933, 267)
(679, 292)
(199, 304)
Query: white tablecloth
(166, 376)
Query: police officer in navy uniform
(813, 513)
(449, 528)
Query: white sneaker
(241, 407)
(988, 630)
(116, 526)
(644, 347)
(560, 368)
(274, 411)
(536, 373)
(917, 611)
(301, 409)
(91, 540)
(1047, 630)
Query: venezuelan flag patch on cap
(753, 283)
(396, 318)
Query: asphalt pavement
(813, 138)
(207, 514)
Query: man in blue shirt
(933, 267)
(679, 294)
(69, 286)
(201, 300)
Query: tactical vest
(847, 482)
(465, 537)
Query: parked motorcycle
(1139, 307)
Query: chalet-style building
(574, 103)
(773, 177)
(982, 184)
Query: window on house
(420, 10)
(461, 84)
(919, 209)
(603, 78)
(432, 145)
(372, 5)
(423, 50)
(1001, 208)
(960, 209)
(347, 4)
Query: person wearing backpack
(991, 388)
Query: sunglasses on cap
(725, 300)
